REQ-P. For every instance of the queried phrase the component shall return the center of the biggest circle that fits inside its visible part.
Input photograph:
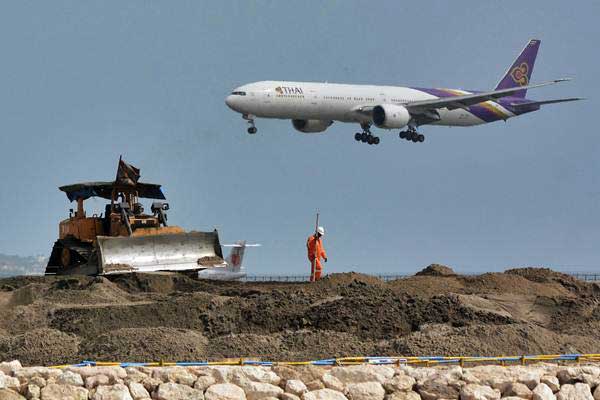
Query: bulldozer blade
(163, 252)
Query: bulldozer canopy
(105, 189)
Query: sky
(83, 82)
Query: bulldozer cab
(125, 238)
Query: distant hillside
(17, 265)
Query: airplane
(234, 270)
(313, 107)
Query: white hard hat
(321, 231)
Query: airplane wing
(529, 104)
(464, 101)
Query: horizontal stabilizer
(543, 102)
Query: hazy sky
(84, 81)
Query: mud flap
(164, 252)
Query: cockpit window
(238, 93)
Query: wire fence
(582, 276)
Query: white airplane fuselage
(339, 102)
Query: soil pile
(143, 317)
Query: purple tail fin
(520, 71)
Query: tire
(375, 140)
(252, 130)
(402, 135)
(357, 137)
(370, 140)
(364, 137)
(421, 138)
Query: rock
(220, 373)
(92, 381)
(569, 375)
(479, 392)
(151, 384)
(403, 396)
(53, 391)
(552, 382)
(331, 382)
(365, 391)
(399, 383)
(287, 373)
(324, 394)
(33, 392)
(204, 382)
(69, 378)
(315, 385)
(9, 367)
(38, 381)
(517, 389)
(224, 391)
(25, 374)
(597, 393)
(254, 374)
(176, 375)
(362, 373)
(436, 270)
(114, 373)
(296, 387)
(434, 389)
(543, 392)
(114, 392)
(289, 396)
(530, 379)
(260, 390)
(177, 391)
(578, 391)
(138, 391)
(8, 382)
(134, 375)
(7, 394)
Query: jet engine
(390, 116)
(311, 125)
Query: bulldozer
(125, 238)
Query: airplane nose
(229, 101)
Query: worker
(314, 246)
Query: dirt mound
(141, 317)
(436, 270)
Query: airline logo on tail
(519, 74)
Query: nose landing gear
(366, 136)
(252, 129)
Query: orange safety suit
(314, 246)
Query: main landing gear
(366, 136)
(412, 135)
(252, 129)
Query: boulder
(53, 391)
(434, 389)
(289, 396)
(531, 379)
(113, 392)
(26, 373)
(254, 374)
(362, 373)
(403, 396)
(7, 394)
(176, 375)
(331, 382)
(296, 387)
(569, 375)
(151, 384)
(543, 392)
(224, 391)
(479, 392)
(177, 391)
(399, 383)
(324, 394)
(33, 392)
(69, 378)
(93, 381)
(260, 390)
(38, 381)
(365, 391)
(114, 373)
(517, 389)
(552, 382)
(134, 375)
(288, 373)
(597, 393)
(138, 391)
(315, 385)
(9, 367)
(204, 382)
(578, 391)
